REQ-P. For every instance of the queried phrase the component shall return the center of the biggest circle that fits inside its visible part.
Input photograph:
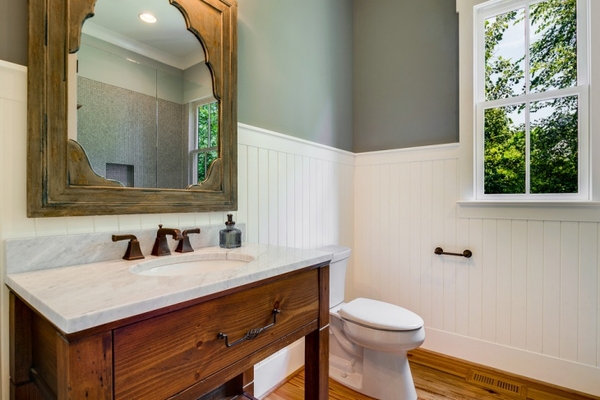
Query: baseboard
(537, 367)
(283, 382)
(493, 379)
(277, 369)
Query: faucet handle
(133, 251)
(184, 245)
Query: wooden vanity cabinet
(175, 352)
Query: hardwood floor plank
(431, 384)
(437, 376)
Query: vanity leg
(248, 381)
(21, 359)
(316, 350)
(316, 366)
(84, 367)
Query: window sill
(582, 211)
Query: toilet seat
(380, 315)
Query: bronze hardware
(439, 251)
(184, 245)
(133, 251)
(252, 333)
(161, 246)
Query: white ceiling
(167, 40)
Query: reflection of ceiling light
(147, 17)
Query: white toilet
(368, 339)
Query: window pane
(203, 126)
(204, 161)
(504, 150)
(505, 55)
(208, 125)
(208, 138)
(554, 146)
(553, 45)
(214, 124)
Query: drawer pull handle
(252, 333)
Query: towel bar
(439, 251)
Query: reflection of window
(205, 138)
(531, 97)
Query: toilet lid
(379, 315)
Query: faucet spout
(176, 233)
(161, 246)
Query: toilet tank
(337, 273)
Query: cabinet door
(160, 357)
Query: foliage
(504, 165)
(501, 74)
(554, 56)
(208, 137)
(553, 132)
(554, 152)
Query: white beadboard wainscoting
(292, 193)
(527, 302)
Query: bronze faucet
(133, 248)
(161, 246)
(184, 245)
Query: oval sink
(193, 264)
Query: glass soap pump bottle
(230, 237)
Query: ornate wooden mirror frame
(52, 189)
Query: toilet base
(384, 376)
(341, 370)
(387, 376)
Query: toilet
(368, 339)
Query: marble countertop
(79, 297)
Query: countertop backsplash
(38, 253)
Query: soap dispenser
(230, 237)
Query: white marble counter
(79, 297)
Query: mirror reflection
(145, 112)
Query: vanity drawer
(159, 357)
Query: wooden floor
(431, 384)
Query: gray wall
(358, 75)
(13, 31)
(405, 73)
(295, 68)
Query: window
(204, 138)
(531, 98)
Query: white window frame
(497, 7)
(193, 138)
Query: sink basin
(192, 264)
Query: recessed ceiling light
(147, 17)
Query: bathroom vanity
(101, 331)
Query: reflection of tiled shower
(120, 172)
(119, 126)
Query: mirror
(143, 91)
(90, 154)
